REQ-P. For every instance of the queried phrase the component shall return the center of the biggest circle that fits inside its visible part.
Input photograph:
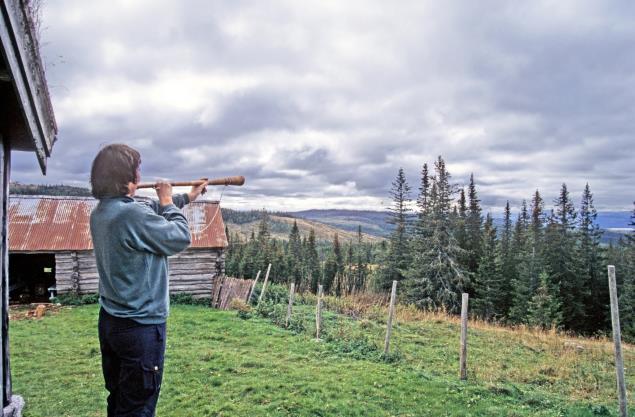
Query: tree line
(540, 267)
(341, 267)
(543, 268)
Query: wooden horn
(236, 180)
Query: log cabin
(51, 252)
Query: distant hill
(372, 222)
(57, 189)
(614, 223)
(243, 222)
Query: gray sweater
(132, 240)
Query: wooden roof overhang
(26, 114)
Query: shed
(50, 248)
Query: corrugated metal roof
(47, 223)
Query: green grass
(220, 365)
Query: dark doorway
(30, 277)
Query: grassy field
(218, 364)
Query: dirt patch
(33, 311)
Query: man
(132, 240)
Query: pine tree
(398, 256)
(592, 274)
(487, 282)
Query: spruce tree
(459, 222)
(507, 262)
(592, 272)
(537, 219)
(248, 265)
(474, 223)
(625, 272)
(332, 265)
(524, 268)
(312, 261)
(295, 258)
(361, 269)
(544, 309)
(487, 281)
(263, 256)
(436, 278)
(398, 256)
(563, 265)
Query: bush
(188, 299)
(76, 300)
(242, 308)
(274, 294)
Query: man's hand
(164, 191)
(197, 190)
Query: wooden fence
(225, 289)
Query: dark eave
(29, 122)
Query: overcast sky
(319, 103)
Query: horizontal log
(192, 271)
(190, 265)
(189, 261)
(192, 278)
(190, 291)
(195, 256)
(192, 275)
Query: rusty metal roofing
(47, 223)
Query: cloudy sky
(319, 103)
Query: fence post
(318, 313)
(617, 339)
(253, 287)
(264, 285)
(391, 313)
(290, 306)
(463, 358)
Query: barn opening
(31, 277)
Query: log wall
(192, 271)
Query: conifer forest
(542, 267)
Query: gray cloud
(319, 104)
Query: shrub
(274, 294)
(242, 308)
(76, 300)
(188, 299)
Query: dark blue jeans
(132, 361)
